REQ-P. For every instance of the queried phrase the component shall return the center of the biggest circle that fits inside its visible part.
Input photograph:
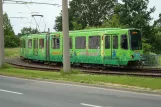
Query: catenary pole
(66, 53)
(1, 35)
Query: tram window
(35, 43)
(115, 42)
(41, 43)
(80, 42)
(56, 43)
(70, 43)
(124, 42)
(107, 42)
(30, 43)
(94, 42)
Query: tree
(26, 30)
(157, 23)
(113, 22)
(157, 35)
(10, 40)
(85, 13)
(135, 13)
(76, 26)
(91, 12)
(58, 22)
(8, 30)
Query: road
(16, 92)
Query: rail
(143, 72)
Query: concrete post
(1, 36)
(66, 52)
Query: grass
(12, 52)
(75, 76)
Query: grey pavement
(16, 92)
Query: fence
(152, 61)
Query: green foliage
(135, 14)
(76, 26)
(8, 30)
(146, 46)
(26, 30)
(58, 22)
(157, 36)
(10, 40)
(157, 23)
(6, 66)
(83, 13)
(113, 22)
(89, 27)
(12, 52)
(91, 12)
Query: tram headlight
(132, 56)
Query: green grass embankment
(12, 52)
(152, 83)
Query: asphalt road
(29, 93)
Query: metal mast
(1, 35)
(66, 53)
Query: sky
(49, 12)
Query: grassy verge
(152, 83)
(11, 52)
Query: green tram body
(106, 46)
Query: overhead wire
(28, 7)
(31, 13)
(29, 2)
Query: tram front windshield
(136, 43)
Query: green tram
(104, 46)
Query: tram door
(23, 46)
(111, 46)
(35, 51)
(108, 47)
(114, 47)
(48, 47)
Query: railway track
(19, 63)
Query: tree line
(84, 14)
(10, 39)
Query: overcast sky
(49, 12)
